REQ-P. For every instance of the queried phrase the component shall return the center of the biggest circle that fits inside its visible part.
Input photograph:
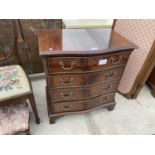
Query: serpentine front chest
(83, 68)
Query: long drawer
(81, 64)
(74, 80)
(83, 105)
(70, 94)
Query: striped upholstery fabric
(142, 33)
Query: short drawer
(70, 94)
(83, 105)
(96, 63)
(75, 80)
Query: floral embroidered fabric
(13, 81)
(14, 119)
(9, 78)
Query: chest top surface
(81, 41)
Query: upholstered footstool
(14, 119)
(16, 88)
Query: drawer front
(96, 63)
(83, 105)
(73, 80)
(70, 94)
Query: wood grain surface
(27, 30)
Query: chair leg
(28, 132)
(34, 108)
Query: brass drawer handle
(108, 75)
(108, 87)
(116, 60)
(65, 106)
(61, 63)
(65, 95)
(66, 82)
(105, 98)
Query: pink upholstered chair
(142, 60)
(15, 91)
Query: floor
(128, 117)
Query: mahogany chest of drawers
(83, 68)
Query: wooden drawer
(96, 63)
(83, 105)
(74, 80)
(70, 94)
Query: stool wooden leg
(34, 108)
(153, 92)
(27, 132)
